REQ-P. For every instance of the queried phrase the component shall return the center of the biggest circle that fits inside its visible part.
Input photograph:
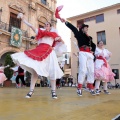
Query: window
(89, 19)
(44, 2)
(14, 21)
(92, 18)
(99, 18)
(101, 37)
(86, 19)
(118, 11)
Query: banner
(16, 37)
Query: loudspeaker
(116, 72)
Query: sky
(76, 7)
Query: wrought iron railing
(7, 27)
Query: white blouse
(101, 52)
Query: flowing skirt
(2, 77)
(47, 67)
(104, 73)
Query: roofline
(94, 11)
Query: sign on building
(16, 37)
(67, 58)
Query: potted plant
(28, 78)
(8, 72)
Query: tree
(8, 61)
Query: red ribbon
(101, 58)
(58, 9)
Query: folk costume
(21, 77)
(103, 71)
(86, 64)
(2, 75)
(42, 60)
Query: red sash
(43, 33)
(40, 52)
(87, 49)
(101, 58)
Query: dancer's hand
(110, 54)
(63, 20)
(8, 66)
(20, 16)
(61, 41)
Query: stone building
(37, 12)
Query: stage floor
(68, 106)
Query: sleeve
(108, 52)
(97, 53)
(60, 48)
(73, 28)
(93, 47)
(108, 55)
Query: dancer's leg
(32, 85)
(105, 88)
(53, 88)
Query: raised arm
(20, 15)
(70, 26)
(30, 25)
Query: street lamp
(0, 13)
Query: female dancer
(103, 71)
(42, 60)
(2, 75)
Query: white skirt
(49, 67)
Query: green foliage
(8, 61)
(28, 77)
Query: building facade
(36, 12)
(104, 24)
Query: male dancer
(86, 63)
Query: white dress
(2, 75)
(103, 72)
(48, 67)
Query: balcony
(7, 27)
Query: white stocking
(53, 85)
(105, 85)
(97, 84)
(34, 78)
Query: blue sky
(76, 7)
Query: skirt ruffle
(104, 74)
(40, 52)
(47, 67)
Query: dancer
(2, 75)
(86, 50)
(103, 71)
(42, 60)
(20, 76)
